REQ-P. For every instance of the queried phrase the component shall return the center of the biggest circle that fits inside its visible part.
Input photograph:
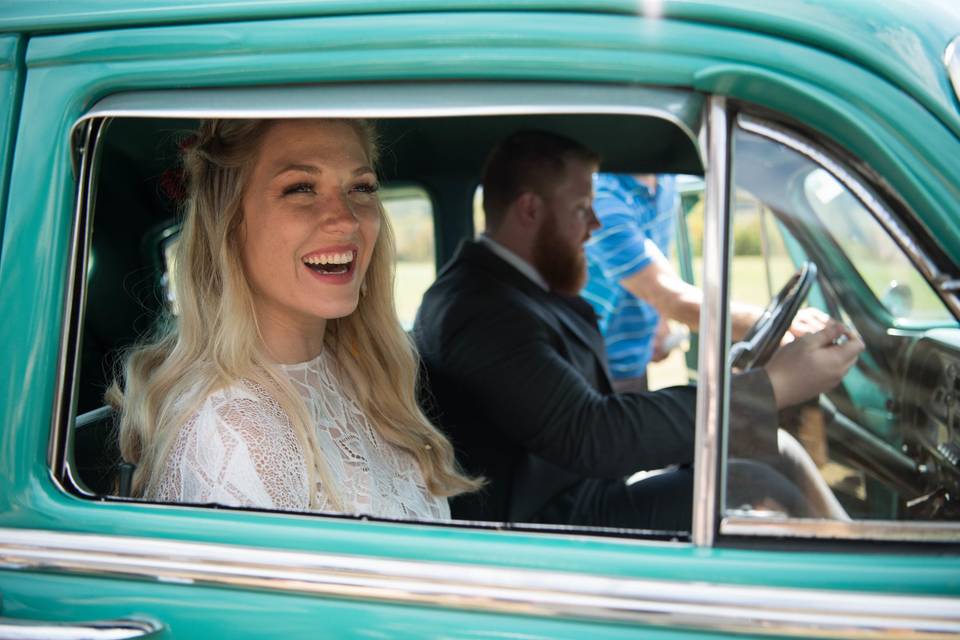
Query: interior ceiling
(456, 146)
(459, 144)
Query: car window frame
(683, 108)
(727, 118)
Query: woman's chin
(341, 308)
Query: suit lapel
(577, 314)
(576, 322)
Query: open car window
(885, 443)
(430, 169)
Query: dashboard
(930, 405)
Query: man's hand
(808, 320)
(660, 343)
(812, 364)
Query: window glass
(479, 222)
(411, 215)
(882, 264)
(167, 280)
(880, 445)
(679, 367)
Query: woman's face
(311, 217)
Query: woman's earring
(363, 289)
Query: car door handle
(119, 629)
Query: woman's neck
(288, 341)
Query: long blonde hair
(214, 341)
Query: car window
(884, 267)
(479, 222)
(411, 217)
(883, 444)
(136, 218)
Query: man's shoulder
(475, 273)
(475, 293)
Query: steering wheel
(766, 333)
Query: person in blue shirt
(637, 214)
(632, 285)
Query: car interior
(890, 432)
(136, 208)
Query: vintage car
(820, 138)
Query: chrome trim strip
(407, 100)
(951, 285)
(75, 304)
(120, 629)
(713, 335)
(77, 240)
(951, 60)
(702, 607)
(884, 216)
(876, 530)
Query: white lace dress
(239, 449)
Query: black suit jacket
(519, 383)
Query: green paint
(904, 128)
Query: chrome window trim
(409, 100)
(74, 300)
(951, 60)
(119, 629)
(703, 607)
(939, 281)
(873, 530)
(877, 530)
(712, 356)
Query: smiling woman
(285, 380)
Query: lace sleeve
(238, 450)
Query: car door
(71, 556)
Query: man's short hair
(526, 161)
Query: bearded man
(517, 371)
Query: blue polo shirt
(633, 219)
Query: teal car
(820, 147)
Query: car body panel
(902, 42)
(419, 46)
(11, 84)
(902, 125)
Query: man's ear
(527, 208)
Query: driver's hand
(807, 320)
(812, 364)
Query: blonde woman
(285, 381)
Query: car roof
(901, 40)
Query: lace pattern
(240, 449)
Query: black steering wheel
(766, 333)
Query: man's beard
(563, 266)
